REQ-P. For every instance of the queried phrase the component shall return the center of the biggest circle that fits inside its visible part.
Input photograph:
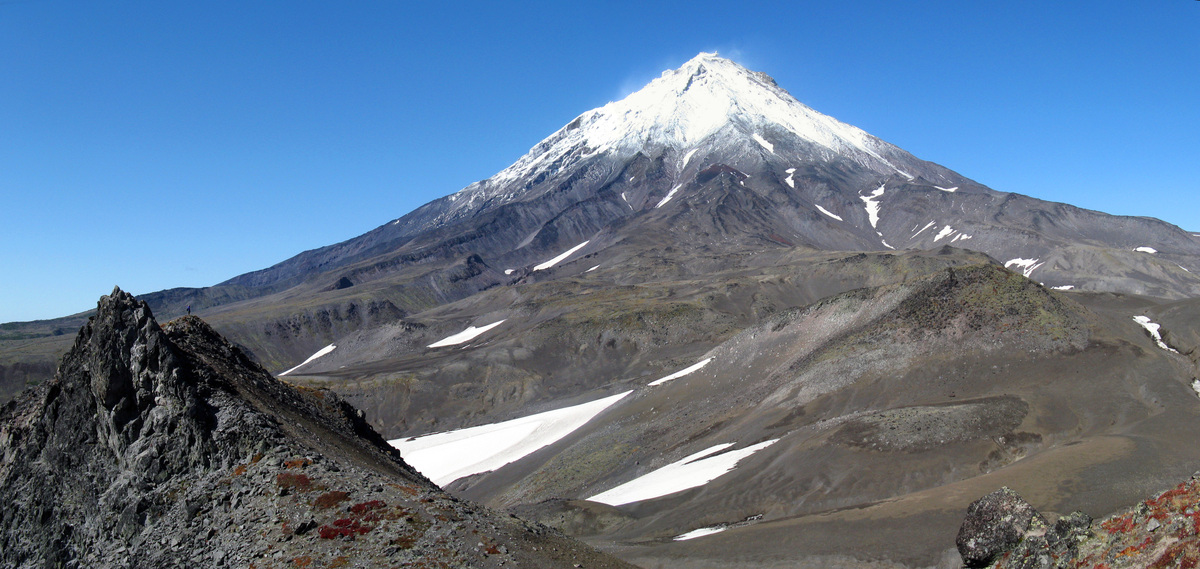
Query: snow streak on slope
(701, 532)
(681, 373)
(446, 457)
(318, 354)
(1150, 250)
(827, 212)
(872, 205)
(694, 470)
(790, 182)
(1153, 329)
(1027, 266)
(763, 142)
(561, 257)
(670, 195)
(952, 190)
(947, 230)
(465, 336)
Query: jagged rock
(994, 524)
(167, 447)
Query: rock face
(995, 523)
(1002, 531)
(166, 446)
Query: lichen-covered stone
(994, 524)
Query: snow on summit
(681, 109)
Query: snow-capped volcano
(709, 102)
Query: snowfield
(1153, 329)
(692, 471)
(1027, 266)
(562, 257)
(465, 336)
(872, 205)
(1150, 250)
(827, 212)
(680, 373)
(670, 195)
(319, 353)
(446, 457)
(701, 532)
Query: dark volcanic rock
(995, 523)
(166, 447)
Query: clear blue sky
(155, 144)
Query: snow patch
(592, 269)
(947, 230)
(560, 258)
(508, 271)
(694, 470)
(955, 188)
(790, 172)
(1182, 267)
(681, 373)
(1196, 386)
(872, 205)
(701, 532)
(446, 457)
(465, 336)
(670, 195)
(1063, 287)
(1150, 250)
(927, 226)
(884, 241)
(319, 353)
(1027, 266)
(1153, 329)
(763, 142)
(687, 157)
(827, 212)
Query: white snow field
(1150, 250)
(562, 257)
(681, 372)
(763, 142)
(692, 471)
(946, 231)
(1153, 329)
(872, 205)
(827, 212)
(701, 532)
(951, 190)
(670, 195)
(1027, 266)
(791, 172)
(319, 353)
(446, 457)
(465, 336)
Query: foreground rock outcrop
(1002, 531)
(165, 446)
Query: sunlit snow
(465, 336)
(690, 472)
(592, 269)
(872, 205)
(947, 230)
(670, 195)
(1063, 287)
(1027, 266)
(687, 157)
(927, 226)
(446, 457)
(1196, 386)
(827, 212)
(1153, 329)
(947, 189)
(1182, 267)
(316, 355)
(763, 142)
(1146, 250)
(508, 271)
(682, 372)
(561, 257)
(701, 532)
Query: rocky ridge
(165, 446)
(1002, 531)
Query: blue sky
(160, 144)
